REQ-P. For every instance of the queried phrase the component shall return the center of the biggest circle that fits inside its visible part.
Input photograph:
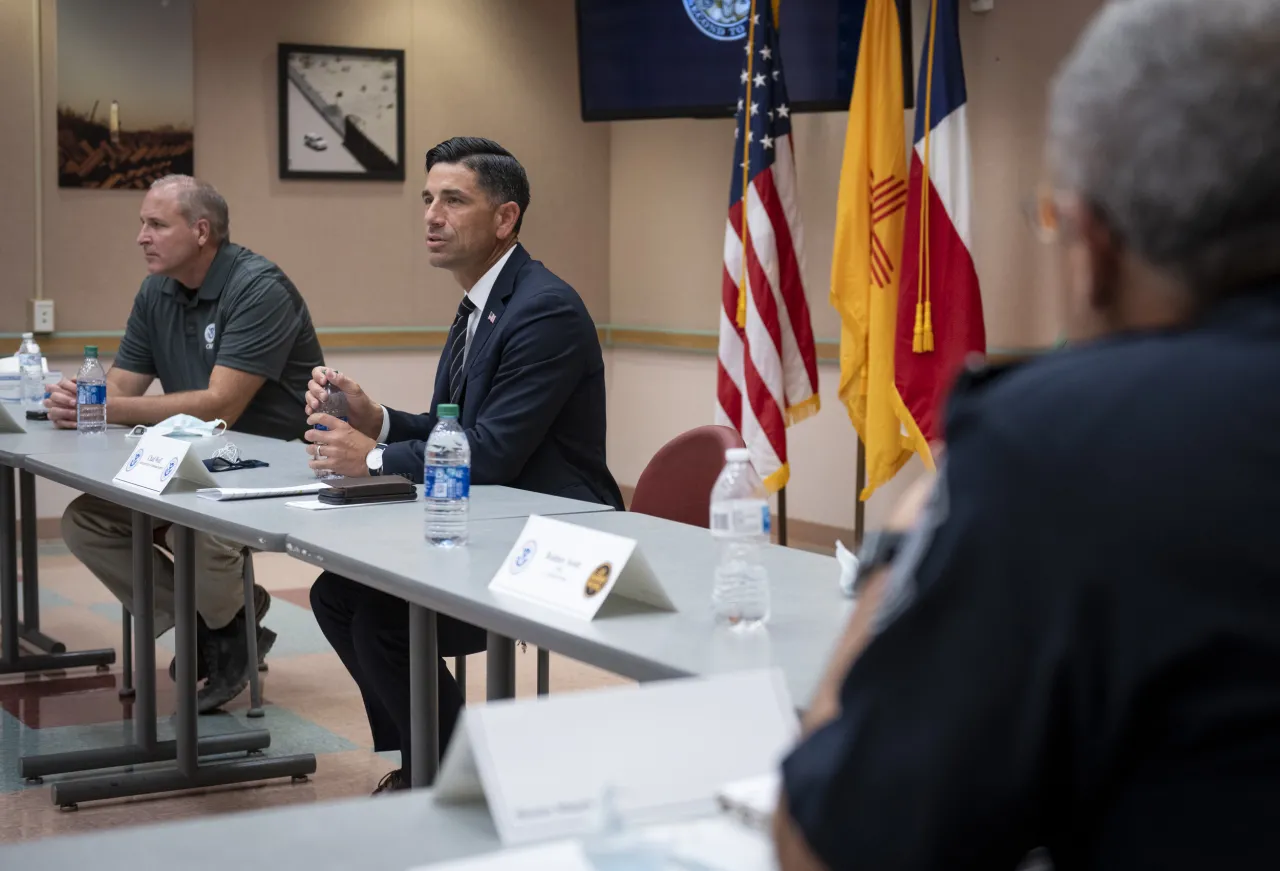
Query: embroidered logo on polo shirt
(209, 332)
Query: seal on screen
(598, 579)
(725, 20)
(524, 557)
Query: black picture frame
(350, 139)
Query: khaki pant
(100, 533)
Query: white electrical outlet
(42, 315)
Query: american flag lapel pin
(493, 319)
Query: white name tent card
(574, 569)
(660, 752)
(9, 423)
(711, 845)
(156, 460)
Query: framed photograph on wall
(341, 112)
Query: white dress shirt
(479, 295)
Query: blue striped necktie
(458, 348)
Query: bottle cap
(737, 455)
(446, 410)
(28, 335)
(91, 350)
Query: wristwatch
(878, 550)
(373, 460)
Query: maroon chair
(676, 485)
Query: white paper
(8, 423)
(663, 751)
(575, 569)
(222, 494)
(714, 843)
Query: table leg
(186, 749)
(8, 570)
(184, 606)
(126, 655)
(424, 696)
(500, 667)
(54, 655)
(31, 556)
(251, 631)
(144, 632)
(544, 671)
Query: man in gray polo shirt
(230, 338)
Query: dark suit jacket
(533, 406)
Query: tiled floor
(312, 706)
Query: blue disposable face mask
(183, 426)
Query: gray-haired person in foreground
(1075, 644)
(230, 339)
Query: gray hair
(1165, 118)
(199, 200)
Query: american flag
(768, 372)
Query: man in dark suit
(524, 364)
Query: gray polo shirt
(247, 315)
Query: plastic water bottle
(335, 403)
(446, 476)
(740, 523)
(91, 394)
(31, 365)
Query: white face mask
(184, 426)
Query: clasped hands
(342, 446)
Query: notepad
(223, 494)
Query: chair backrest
(676, 485)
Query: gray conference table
(90, 469)
(390, 833)
(53, 655)
(809, 611)
(260, 524)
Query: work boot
(394, 781)
(266, 638)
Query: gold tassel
(804, 410)
(928, 325)
(917, 339)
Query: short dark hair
(500, 175)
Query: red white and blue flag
(768, 370)
(939, 303)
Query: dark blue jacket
(533, 406)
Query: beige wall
(631, 213)
(670, 182)
(17, 153)
(484, 67)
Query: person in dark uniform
(230, 338)
(1076, 645)
(524, 365)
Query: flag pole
(782, 516)
(860, 507)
